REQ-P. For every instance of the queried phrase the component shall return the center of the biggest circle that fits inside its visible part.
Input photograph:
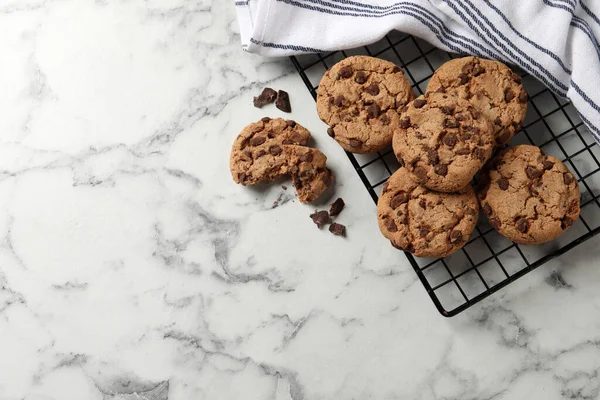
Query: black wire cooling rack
(488, 262)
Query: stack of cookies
(442, 139)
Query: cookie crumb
(283, 101)
(336, 207)
(267, 96)
(320, 218)
(284, 187)
(337, 229)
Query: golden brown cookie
(257, 154)
(359, 98)
(491, 87)
(308, 168)
(424, 222)
(528, 197)
(443, 141)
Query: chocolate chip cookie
(308, 168)
(424, 222)
(490, 86)
(359, 98)
(257, 153)
(443, 141)
(528, 197)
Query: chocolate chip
(271, 134)
(423, 231)
(385, 120)
(373, 111)
(509, 95)
(421, 174)
(372, 89)
(297, 138)
(283, 101)
(517, 78)
(267, 96)
(495, 222)
(275, 150)
(360, 77)
(441, 169)
(455, 237)
(290, 123)
(306, 157)
(523, 97)
(355, 143)
(410, 248)
(441, 89)
(423, 204)
(339, 101)
(336, 207)
(265, 119)
(503, 183)
(478, 70)
(330, 132)
(248, 155)
(398, 199)
(405, 123)
(548, 164)
(522, 225)
(460, 117)
(479, 153)
(419, 103)
(391, 225)
(396, 69)
(463, 151)
(474, 113)
(498, 121)
(337, 229)
(503, 137)
(568, 178)
(566, 222)
(287, 141)
(450, 140)
(320, 218)
(487, 210)
(450, 123)
(447, 109)
(346, 72)
(432, 156)
(257, 140)
(463, 78)
(533, 173)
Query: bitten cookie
(256, 154)
(423, 222)
(443, 141)
(528, 197)
(309, 171)
(359, 98)
(491, 87)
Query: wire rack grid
(488, 262)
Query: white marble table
(130, 262)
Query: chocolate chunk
(533, 173)
(419, 103)
(306, 157)
(275, 150)
(410, 248)
(450, 140)
(372, 89)
(373, 111)
(339, 101)
(534, 187)
(509, 95)
(548, 164)
(290, 123)
(522, 225)
(566, 222)
(265, 119)
(337, 229)
(405, 123)
(503, 183)
(503, 137)
(463, 78)
(462, 152)
(391, 225)
(287, 141)
(248, 155)
(487, 210)
(432, 156)
(283, 101)
(257, 140)
(260, 153)
(523, 97)
(517, 78)
(423, 204)
(498, 121)
(441, 89)
(479, 153)
(346, 72)
(271, 134)
(441, 169)
(450, 123)
(421, 174)
(267, 96)
(474, 113)
(336, 207)
(330, 132)
(297, 138)
(478, 70)
(568, 178)
(447, 109)
(354, 143)
(360, 77)
(423, 231)
(455, 237)
(398, 199)
(320, 218)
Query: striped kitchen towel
(557, 41)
